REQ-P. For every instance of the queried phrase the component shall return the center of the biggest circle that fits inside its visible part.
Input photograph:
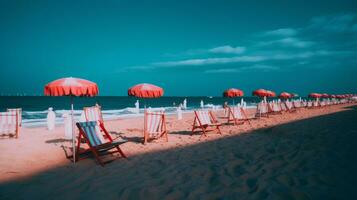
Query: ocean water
(34, 108)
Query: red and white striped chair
(9, 124)
(206, 121)
(18, 111)
(237, 115)
(154, 126)
(262, 109)
(93, 113)
(289, 106)
(275, 107)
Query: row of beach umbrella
(80, 87)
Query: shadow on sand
(308, 159)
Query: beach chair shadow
(137, 140)
(59, 140)
(181, 133)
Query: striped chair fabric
(93, 113)
(154, 122)
(283, 106)
(275, 107)
(92, 132)
(237, 114)
(263, 107)
(8, 123)
(289, 105)
(17, 111)
(204, 117)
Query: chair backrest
(93, 113)
(275, 107)
(283, 106)
(8, 122)
(204, 117)
(154, 122)
(315, 103)
(92, 132)
(17, 111)
(289, 105)
(263, 107)
(236, 111)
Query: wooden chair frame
(206, 127)
(98, 150)
(237, 121)
(17, 128)
(162, 129)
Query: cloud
(261, 68)
(210, 61)
(334, 23)
(288, 42)
(227, 50)
(281, 32)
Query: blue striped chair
(98, 145)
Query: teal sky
(186, 47)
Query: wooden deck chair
(18, 112)
(154, 126)
(316, 104)
(206, 121)
(237, 115)
(9, 125)
(90, 132)
(262, 110)
(283, 107)
(289, 106)
(275, 107)
(93, 113)
(309, 104)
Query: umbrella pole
(73, 136)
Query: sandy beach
(309, 154)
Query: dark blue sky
(186, 47)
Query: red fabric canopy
(145, 90)
(260, 93)
(325, 95)
(285, 95)
(71, 86)
(233, 92)
(270, 93)
(314, 95)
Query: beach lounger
(18, 111)
(289, 106)
(9, 125)
(154, 126)
(262, 109)
(90, 132)
(206, 121)
(275, 107)
(309, 104)
(93, 113)
(237, 115)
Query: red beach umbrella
(285, 95)
(260, 93)
(233, 92)
(324, 95)
(271, 93)
(314, 95)
(145, 90)
(71, 87)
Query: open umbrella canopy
(285, 95)
(260, 93)
(314, 95)
(270, 93)
(71, 87)
(324, 95)
(145, 90)
(233, 92)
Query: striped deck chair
(289, 106)
(237, 115)
(154, 126)
(316, 104)
(9, 125)
(93, 113)
(262, 109)
(283, 107)
(90, 132)
(275, 108)
(205, 121)
(18, 111)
